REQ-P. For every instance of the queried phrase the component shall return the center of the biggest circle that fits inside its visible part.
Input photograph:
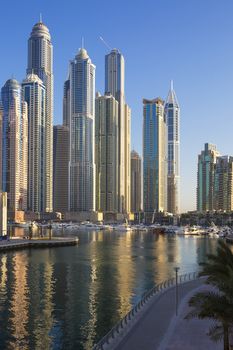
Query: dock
(13, 244)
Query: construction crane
(104, 42)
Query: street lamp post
(176, 270)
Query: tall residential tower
(115, 84)
(81, 138)
(40, 62)
(205, 178)
(106, 153)
(223, 184)
(154, 156)
(14, 145)
(136, 179)
(34, 92)
(60, 168)
(172, 112)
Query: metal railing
(121, 325)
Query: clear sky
(189, 41)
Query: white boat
(140, 227)
(224, 232)
(89, 226)
(190, 230)
(213, 230)
(123, 228)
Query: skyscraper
(127, 169)
(136, 178)
(205, 178)
(154, 156)
(60, 168)
(223, 184)
(34, 92)
(66, 103)
(106, 153)
(40, 62)
(14, 143)
(82, 128)
(115, 84)
(172, 111)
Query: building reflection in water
(19, 302)
(125, 272)
(68, 298)
(40, 277)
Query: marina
(71, 296)
(213, 230)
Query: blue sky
(189, 41)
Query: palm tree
(216, 304)
(213, 305)
(219, 269)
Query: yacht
(190, 230)
(122, 227)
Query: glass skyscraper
(223, 184)
(66, 103)
(205, 178)
(154, 156)
(14, 144)
(40, 62)
(106, 153)
(136, 178)
(115, 84)
(172, 112)
(81, 126)
(34, 92)
(60, 168)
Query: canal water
(69, 297)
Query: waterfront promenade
(22, 243)
(157, 327)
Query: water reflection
(68, 298)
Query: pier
(13, 244)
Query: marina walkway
(158, 328)
(22, 243)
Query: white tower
(40, 62)
(82, 126)
(172, 111)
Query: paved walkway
(159, 328)
(191, 334)
(22, 243)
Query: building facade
(60, 168)
(40, 63)
(14, 143)
(115, 84)
(172, 112)
(127, 159)
(34, 92)
(205, 178)
(136, 180)
(154, 156)
(223, 184)
(82, 128)
(66, 103)
(106, 153)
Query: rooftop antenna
(40, 17)
(104, 42)
(82, 42)
(171, 84)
